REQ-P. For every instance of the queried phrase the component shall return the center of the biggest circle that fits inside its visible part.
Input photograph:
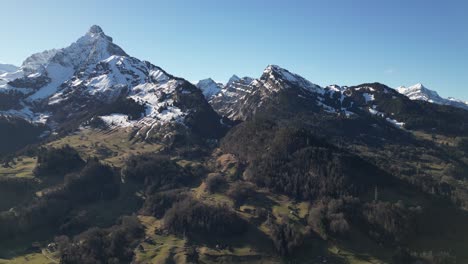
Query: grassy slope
(112, 147)
(33, 258)
(21, 167)
(254, 246)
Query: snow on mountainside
(46, 71)
(8, 72)
(422, 93)
(282, 91)
(93, 78)
(59, 85)
(286, 78)
(209, 87)
(242, 97)
(233, 93)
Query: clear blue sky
(347, 42)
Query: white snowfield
(58, 74)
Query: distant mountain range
(93, 71)
(420, 92)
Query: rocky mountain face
(278, 88)
(74, 84)
(231, 96)
(281, 91)
(420, 92)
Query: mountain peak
(95, 29)
(208, 87)
(207, 80)
(418, 86)
(91, 48)
(273, 71)
(234, 78)
(95, 33)
(276, 73)
(412, 88)
(273, 67)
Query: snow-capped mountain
(209, 87)
(6, 68)
(43, 73)
(283, 92)
(8, 72)
(233, 93)
(242, 97)
(276, 77)
(280, 91)
(420, 92)
(56, 86)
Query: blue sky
(346, 42)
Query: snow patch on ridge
(28, 115)
(395, 122)
(368, 97)
(116, 120)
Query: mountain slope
(281, 92)
(372, 116)
(69, 86)
(242, 98)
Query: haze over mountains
(111, 159)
